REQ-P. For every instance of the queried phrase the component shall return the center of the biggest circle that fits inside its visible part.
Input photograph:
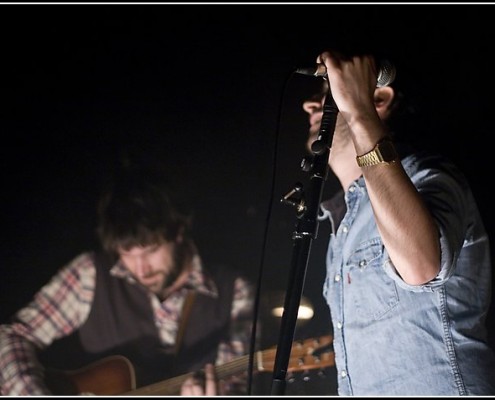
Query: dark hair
(408, 120)
(136, 209)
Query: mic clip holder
(292, 199)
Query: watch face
(387, 150)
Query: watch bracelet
(373, 157)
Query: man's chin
(155, 285)
(155, 288)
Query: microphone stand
(306, 230)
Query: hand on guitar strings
(201, 383)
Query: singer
(408, 262)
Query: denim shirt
(391, 338)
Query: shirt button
(339, 325)
(343, 373)
(352, 189)
(337, 278)
(344, 228)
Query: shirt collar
(334, 209)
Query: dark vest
(121, 322)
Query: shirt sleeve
(240, 333)
(241, 323)
(57, 309)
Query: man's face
(153, 266)
(314, 107)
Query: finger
(210, 380)
(187, 387)
(197, 390)
(331, 58)
(199, 378)
(192, 387)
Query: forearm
(20, 372)
(406, 226)
(58, 309)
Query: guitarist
(146, 295)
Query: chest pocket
(368, 289)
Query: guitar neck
(173, 385)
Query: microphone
(386, 72)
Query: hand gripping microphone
(386, 72)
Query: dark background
(209, 90)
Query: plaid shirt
(64, 303)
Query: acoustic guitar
(115, 375)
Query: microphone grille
(386, 74)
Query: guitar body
(110, 376)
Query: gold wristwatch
(383, 153)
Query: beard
(180, 257)
(172, 276)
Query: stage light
(276, 304)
